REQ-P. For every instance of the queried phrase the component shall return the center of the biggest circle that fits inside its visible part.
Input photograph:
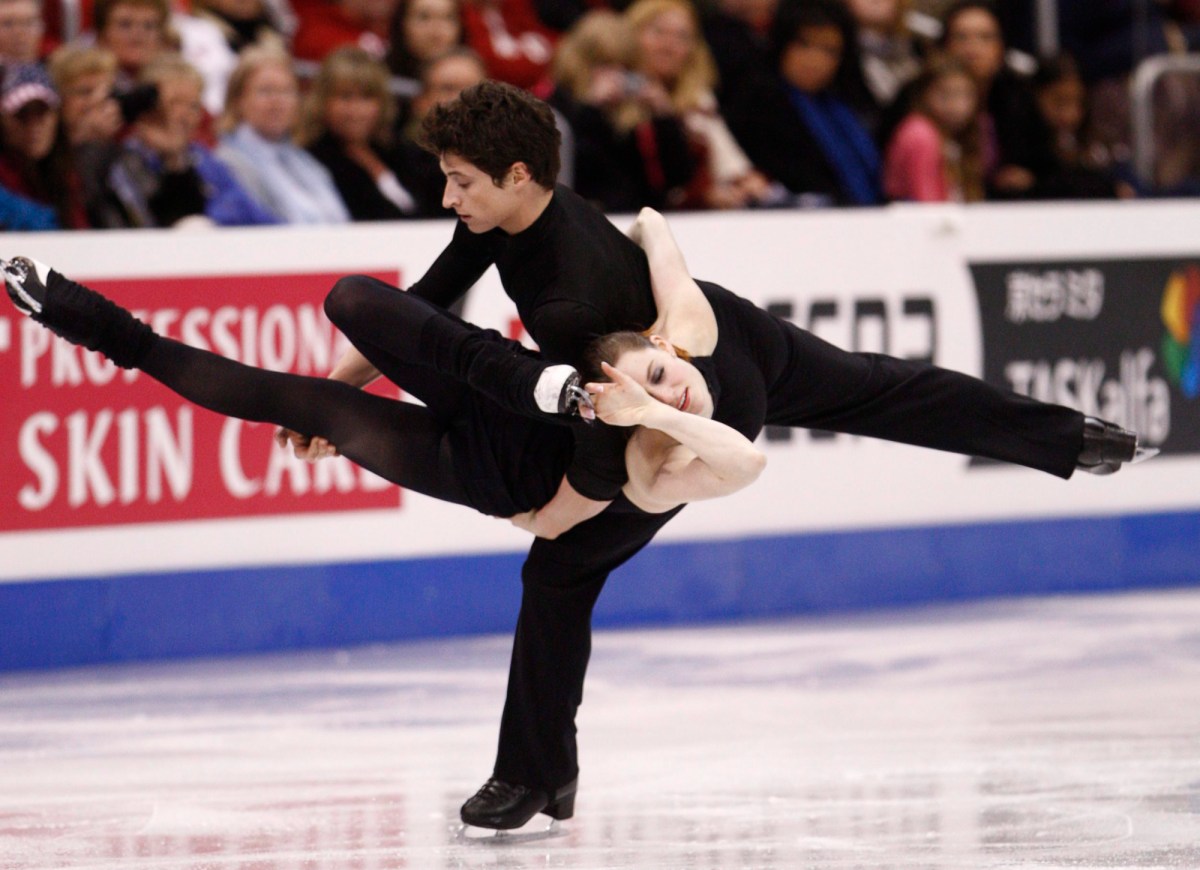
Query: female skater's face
(667, 378)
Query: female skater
(792, 378)
(749, 368)
(460, 447)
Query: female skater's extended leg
(401, 442)
(927, 406)
(398, 332)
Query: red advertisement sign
(85, 443)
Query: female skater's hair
(493, 125)
(608, 348)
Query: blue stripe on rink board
(66, 622)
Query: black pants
(828, 388)
(920, 404)
(412, 341)
(561, 580)
(434, 449)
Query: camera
(136, 101)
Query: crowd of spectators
(164, 113)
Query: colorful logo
(1181, 316)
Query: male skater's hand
(304, 446)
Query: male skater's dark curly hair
(493, 125)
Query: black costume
(460, 447)
(763, 370)
(786, 376)
(574, 276)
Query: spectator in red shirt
(514, 44)
(329, 24)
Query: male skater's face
(476, 198)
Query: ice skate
(1107, 446)
(502, 806)
(25, 280)
(559, 391)
(74, 312)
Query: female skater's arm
(684, 315)
(713, 459)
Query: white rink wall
(114, 491)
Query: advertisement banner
(88, 444)
(1113, 338)
(1038, 300)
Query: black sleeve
(566, 327)
(456, 269)
(597, 470)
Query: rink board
(182, 614)
(135, 526)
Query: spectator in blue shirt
(164, 175)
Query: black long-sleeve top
(573, 277)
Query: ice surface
(1048, 733)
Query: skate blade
(530, 833)
(1141, 454)
(582, 400)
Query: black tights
(406, 337)
(399, 441)
(402, 442)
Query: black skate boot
(559, 390)
(1106, 447)
(74, 312)
(502, 806)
